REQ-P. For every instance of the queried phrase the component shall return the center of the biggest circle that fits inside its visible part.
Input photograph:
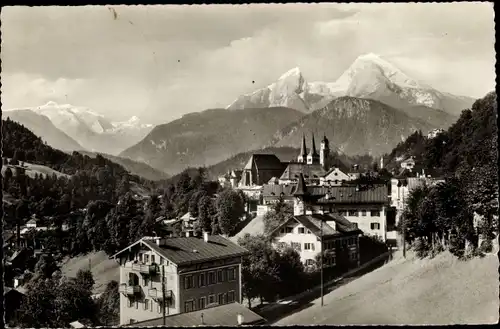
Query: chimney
(205, 236)
(158, 240)
(188, 234)
(240, 319)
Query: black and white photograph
(274, 164)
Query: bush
(486, 246)
(421, 248)
(437, 249)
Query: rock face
(354, 126)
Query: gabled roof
(332, 170)
(223, 315)
(187, 216)
(310, 171)
(301, 189)
(191, 250)
(264, 162)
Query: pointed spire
(301, 187)
(303, 150)
(313, 147)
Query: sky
(161, 62)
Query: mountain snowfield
(90, 129)
(370, 76)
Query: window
(309, 246)
(353, 212)
(146, 304)
(189, 306)
(146, 259)
(288, 229)
(188, 282)
(221, 299)
(201, 303)
(296, 245)
(152, 305)
(140, 257)
(161, 260)
(201, 280)
(375, 226)
(152, 258)
(159, 308)
(211, 299)
(220, 276)
(302, 230)
(282, 230)
(375, 213)
(309, 262)
(231, 274)
(129, 302)
(211, 277)
(363, 212)
(137, 304)
(145, 281)
(230, 296)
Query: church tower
(303, 151)
(324, 152)
(313, 156)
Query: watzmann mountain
(369, 76)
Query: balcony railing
(129, 290)
(145, 269)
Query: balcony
(129, 290)
(157, 294)
(145, 269)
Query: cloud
(160, 62)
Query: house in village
(364, 205)
(314, 229)
(334, 177)
(178, 275)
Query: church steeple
(313, 156)
(303, 150)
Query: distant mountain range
(208, 137)
(369, 76)
(369, 109)
(41, 125)
(92, 131)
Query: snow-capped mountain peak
(295, 72)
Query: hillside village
(175, 176)
(200, 234)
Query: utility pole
(163, 292)
(322, 262)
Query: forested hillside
(466, 155)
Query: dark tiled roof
(276, 190)
(264, 162)
(223, 315)
(348, 194)
(301, 186)
(180, 250)
(310, 171)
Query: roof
(264, 162)
(77, 324)
(190, 250)
(310, 171)
(187, 216)
(31, 221)
(332, 170)
(378, 193)
(313, 223)
(254, 227)
(276, 190)
(7, 290)
(223, 315)
(301, 187)
(236, 174)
